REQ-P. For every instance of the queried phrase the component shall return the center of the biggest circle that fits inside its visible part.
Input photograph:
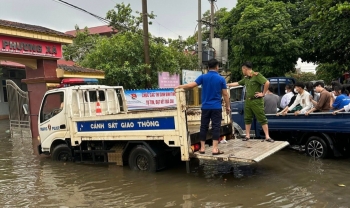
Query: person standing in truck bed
(254, 103)
(213, 89)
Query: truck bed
(236, 150)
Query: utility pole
(200, 34)
(211, 23)
(146, 40)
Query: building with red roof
(104, 30)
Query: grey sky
(174, 17)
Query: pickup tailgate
(236, 150)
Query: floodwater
(285, 179)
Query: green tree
(302, 77)
(83, 43)
(327, 72)
(327, 36)
(261, 32)
(122, 19)
(121, 57)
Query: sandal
(245, 139)
(268, 140)
(218, 153)
(200, 152)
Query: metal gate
(19, 115)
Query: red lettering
(172, 101)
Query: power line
(166, 28)
(106, 21)
(83, 10)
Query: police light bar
(78, 81)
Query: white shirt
(304, 101)
(286, 99)
(347, 108)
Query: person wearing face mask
(287, 97)
(303, 99)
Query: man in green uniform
(254, 102)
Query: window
(120, 99)
(236, 94)
(93, 95)
(4, 91)
(12, 74)
(280, 86)
(52, 105)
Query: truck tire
(62, 153)
(141, 158)
(316, 147)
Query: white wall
(305, 67)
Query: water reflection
(286, 179)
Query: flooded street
(285, 179)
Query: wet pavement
(285, 179)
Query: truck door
(52, 118)
(237, 95)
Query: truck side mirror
(25, 109)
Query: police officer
(254, 102)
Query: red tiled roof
(12, 64)
(79, 69)
(95, 30)
(33, 28)
(64, 62)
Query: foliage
(121, 57)
(328, 35)
(302, 77)
(261, 31)
(327, 72)
(123, 20)
(83, 43)
(218, 15)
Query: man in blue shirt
(213, 88)
(342, 99)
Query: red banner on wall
(29, 47)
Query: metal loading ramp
(236, 150)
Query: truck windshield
(236, 94)
(52, 105)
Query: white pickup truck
(91, 123)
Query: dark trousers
(215, 115)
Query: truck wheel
(142, 159)
(62, 153)
(316, 147)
